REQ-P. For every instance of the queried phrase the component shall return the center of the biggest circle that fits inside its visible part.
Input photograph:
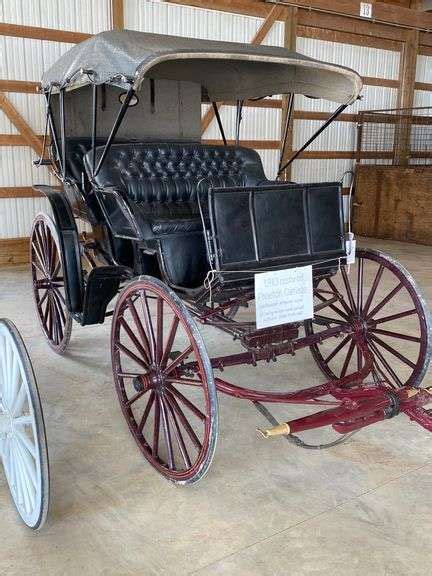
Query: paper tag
(365, 9)
(283, 296)
(350, 246)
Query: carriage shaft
(270, 351)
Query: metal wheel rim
(23, 447)
(200, 465)
(421, 311)
(47, 266)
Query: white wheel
(23, 448)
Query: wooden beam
(14, 251)
(364, 28)
(263, 30)
(382, 12)
(391, 14)
(12, 140)
(37, 33)
(117, 14)
(407, 75)
(290, 42)
(18, 192)
(20, 124)
(342, 37)
(427, 87)
(19, 86)
(384, 82)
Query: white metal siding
(89, 16)
(24, 59)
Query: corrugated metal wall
(24, 59)
(423, 74)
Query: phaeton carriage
(178, 231)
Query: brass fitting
(279, 430)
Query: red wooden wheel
(380, 300)
(48, 283)
(171, 408)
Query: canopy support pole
(313, 137)
(219, 121)
(239, 118)
(114, 130)
(94, 124)
(63, 132)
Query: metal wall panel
(365, 60)
(17, 214)
(424, 69)
(24, 59)
(90, 16)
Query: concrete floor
(266, 508)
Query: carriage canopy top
(225, 70)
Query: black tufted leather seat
(163, 180)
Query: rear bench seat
(161, 181)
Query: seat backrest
(163, 173)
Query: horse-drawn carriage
(181, 232)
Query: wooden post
(407, 76)
(290, 40)
(117, 14)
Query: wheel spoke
(360, 272)
(332, 306)
(185, 422)
(178, 360)
(135, 340)
(375, 283)
(146, 412)
(395, 316)
(348, 359)
(338, 348)
(167, 432)
(138, 324)
(135, 397)
(186, 402)
(339, 295)
(156, 427)
(396, 335)
(184, 381)
(149, 325)
(24, 439)
(159, 330)
(348, 289)
(131, 355)
(178, 435)
(385, 300)
(386, 365)
(395, 353)
(170, 341)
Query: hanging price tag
(350, 246)
(283, 296)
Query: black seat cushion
(163, 180)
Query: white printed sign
(365, 9)
(283, 296)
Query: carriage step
(102, 285)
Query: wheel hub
(359, 325)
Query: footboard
(273, 227)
